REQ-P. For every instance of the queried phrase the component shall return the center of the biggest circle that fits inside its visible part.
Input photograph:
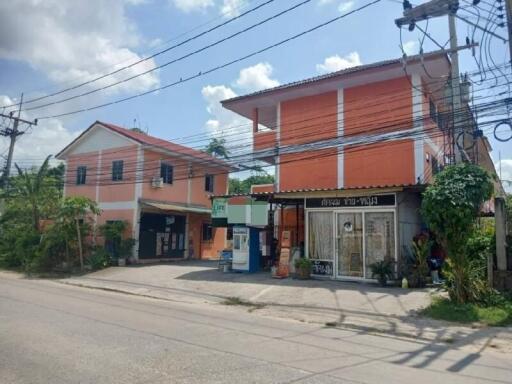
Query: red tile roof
(152, 141)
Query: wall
(175, 192)
(122, 190)
(304, 120)
(89, 160)
(204, 249)
(369, 110)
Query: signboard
(219, 208)
(219, 212)
(321, 267)
(347, 202)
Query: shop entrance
(349, 244)
(344, 243)
(161, 236)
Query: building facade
(161, 189)
(353, 151)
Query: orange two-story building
(352, 152)
(161, 189)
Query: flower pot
(303, 273)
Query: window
(208, 183)
(435, 165)
(117, 170)
(433, 110)
(81, 174)
(166, 173)
(207, 232)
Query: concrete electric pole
(439, 8)
(13, 134)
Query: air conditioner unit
(157, 182)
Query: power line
(217, 68)
(143, 59)
(190, 54)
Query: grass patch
(494, 315)
(243, 303)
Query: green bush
(98, 259)
(383, 270)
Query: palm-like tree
(217, 148)
(31, 187)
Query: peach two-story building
(161, 189)
(352, 152)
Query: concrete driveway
(356, 305)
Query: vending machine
(246, 249)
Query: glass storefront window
(350, 244)
(379, 238)
(362, 238)
(320, 235)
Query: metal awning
(176, 207)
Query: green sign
(219, 208)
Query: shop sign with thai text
(347, 202)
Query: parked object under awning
(176, 207)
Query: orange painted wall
(370, 109)
(264, 140)
(175, 192)
(310, 118)
(123, 190)
(377, 107)
(199, 195)
(288, 221)
(380, 164)
(318, 169)
(90, 160)
(118, 214)
(205, 249)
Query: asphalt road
(52, 333)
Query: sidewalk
(362, 307)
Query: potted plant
(303, 268)
(383, 270)
(125, 250)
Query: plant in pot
(112, 232)
(383, 270)
(303, 268)
(125, 250)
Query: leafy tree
(34, 189)
(57, 173)
(450, 207)
(217, 147)
(75, 209)
(237, 186)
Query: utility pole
(438, 8)
(13, 133)
(508, 5)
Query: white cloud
(337, 63)
(506, 173)
(231, 8)
(410, 47)
(193, 5)
(325, 2)
(75, 41)
(256, 78)
(346, 6)
(48, 137)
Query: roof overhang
(329, 192)
(174, 207)
(431, 66)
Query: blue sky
(69, 42)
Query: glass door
(379, 238)
(349, 244)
